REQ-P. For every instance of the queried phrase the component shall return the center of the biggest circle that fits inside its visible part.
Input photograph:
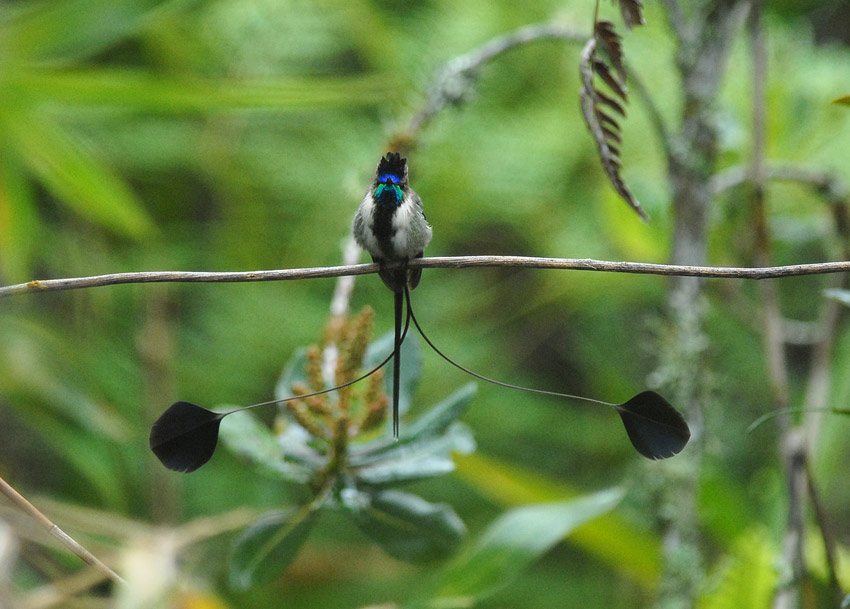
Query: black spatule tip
(655, 428)
(185, 436)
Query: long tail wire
(412, 315)
(328, 390)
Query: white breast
(411, 232)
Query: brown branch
(439, 262)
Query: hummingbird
(391, 226)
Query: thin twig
(439, 262)
(456, 80)
(59, 591)
(653, 113)
(820, 374)
(831, 186)
(794, 451)
(774, 344)
(829, 543)
(678, 22)
(345, 285)
(339, 310)
(21, 502)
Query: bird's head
(390, 179)
(392, 169)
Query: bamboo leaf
(76, 176)
(71, 29)
(18, 220)
(140, 91)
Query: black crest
(393, 164)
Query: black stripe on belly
(383, 228)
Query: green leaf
(438, 418)
(93, 459)
(54, 29)
(406, 526)
(411, 366)
(75, 175)
(36, 363)
(266, 547)
(378, 350)
(139, 91)
(746, 578)
(425, 448)
(629, 549)
(510, 545)
(292, 373)
(18, 220)
(842, 296)
(249, 438)
(414, 460)
(417, 438)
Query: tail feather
(399, 304)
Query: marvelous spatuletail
(391, 226)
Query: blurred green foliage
(241, 134)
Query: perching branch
(438, 262)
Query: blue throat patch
(388, 194)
